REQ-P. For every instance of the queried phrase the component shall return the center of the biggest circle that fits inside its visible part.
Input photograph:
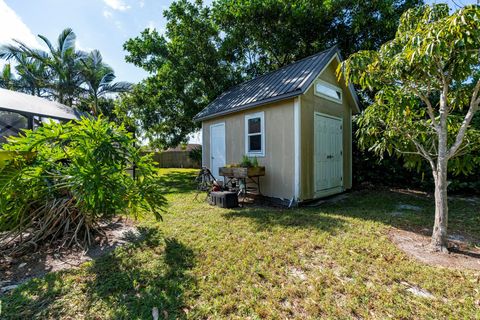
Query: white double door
(328, 154)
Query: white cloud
(107, 14)
(151, 25)
(141, 3)
(118, 5)
(14, 28)
(79, 45)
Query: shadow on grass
(179, 181)
(266, 218)
(126, 284)
(417, 213)
(378, 206)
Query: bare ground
(14, 271)
(462, 255)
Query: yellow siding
(279, 142)
(311, 103)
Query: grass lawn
(210, 263)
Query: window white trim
(328, 86)
(260, 115)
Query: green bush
(196, 155)
(76, 178)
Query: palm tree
(98, 77)
(7, 78)
(62, 72)
(33, 75)
(61, 60)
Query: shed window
(328, 91)
(255, 134)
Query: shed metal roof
(32, 105)
(287, 82)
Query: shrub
(196, 155)
(76, 178)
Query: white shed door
(217, 148)
(328, 154)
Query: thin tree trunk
(439, 234)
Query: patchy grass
(205, 262)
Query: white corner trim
(351, 150)
(297, 149)
(203, 146)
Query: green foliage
(205, 50)
(246, 162)
(264, 35)
(187, 72)
(434, 55)
(254, 162)
(98, 78)
(77, 177)
(62, 72)
(335, 261)
(196, 154)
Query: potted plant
(248, 167)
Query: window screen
(11, 124)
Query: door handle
(329, 156)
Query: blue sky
(99, 24)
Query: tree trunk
(439, 234)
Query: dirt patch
(14, 271)
(416, 244)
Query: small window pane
(254, 125)
(255, 143)
(328, 91)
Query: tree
(187, 72)
(65, 178)
(7, 79)
(428, 84)
(205, 50)
(33, 75)
(98, 78)
(264, 35)
(63, 73)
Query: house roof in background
(287, 82)
(32, 105)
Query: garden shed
(297, 121)
(23, 111)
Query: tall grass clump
(66, 178)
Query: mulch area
(16, 270)
(462, 253)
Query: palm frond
(48, 43)
(66, 41)
(117, 87)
